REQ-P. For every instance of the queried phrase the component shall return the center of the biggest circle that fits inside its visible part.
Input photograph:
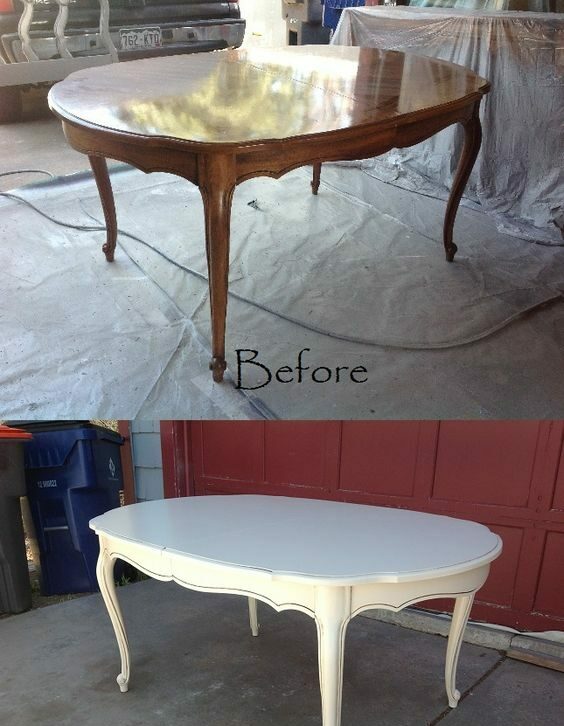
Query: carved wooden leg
(100, 169)
(217, 184)
(253, 616)
(472, 143)
(460, 616)
(316, 177)
(105, 575)
(332, 614)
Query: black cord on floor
(27, 171)
(288, 318)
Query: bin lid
(52, 446)
(8, 433)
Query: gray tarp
(356, 274)
(519, 174)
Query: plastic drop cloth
(537, 6)
(80, 338)
(519, 174)
(356, 274)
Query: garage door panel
(486, 462)
(230, 452)
(379, 459)
(558, 500)
(296, 454)
(550, 591)
(500, 585)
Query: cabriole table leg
(316, 177)
(332, 615)
(472, 143)
(216, 179)
(102, 178)
(105, 575)
(460, 616)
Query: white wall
(265, 26)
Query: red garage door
(508, 475)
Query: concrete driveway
(194, 662)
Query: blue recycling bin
(73, 473)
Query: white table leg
(105, 575)
(332, 614)
(253, 616)
(460, 616)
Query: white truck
(42, 41)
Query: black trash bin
(73, 473)
(15, 588)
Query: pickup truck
(135, 29)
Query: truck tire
(10, 104)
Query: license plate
(139, 38)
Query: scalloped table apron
(220, 118)
(330, 560)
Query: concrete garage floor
(194, 662)
(37, 142)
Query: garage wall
(508, 475)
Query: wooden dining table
(218, 119)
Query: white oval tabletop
(305, 538)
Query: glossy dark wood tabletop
(250, 95)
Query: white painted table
(327, 559)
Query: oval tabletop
(248, 96)
(306, 538)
